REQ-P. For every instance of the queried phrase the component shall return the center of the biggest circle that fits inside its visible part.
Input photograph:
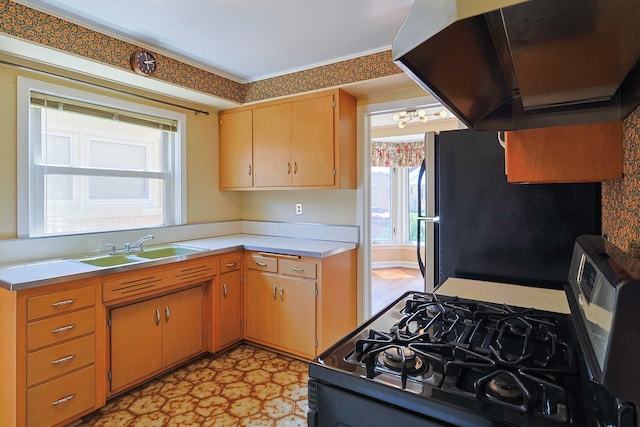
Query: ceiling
(244, 40)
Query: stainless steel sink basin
(166, 251)
(109, 260)
(150, 253)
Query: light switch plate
(298, 208)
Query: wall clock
(143, 62)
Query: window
(395, 168)
(381, 204)
(92, 163)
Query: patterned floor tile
(244, 386)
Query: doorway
(393, 156)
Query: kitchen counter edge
(210, 247)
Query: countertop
(46, 272)
(521, 296)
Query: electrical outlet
(298, 208)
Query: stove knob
(581, 300)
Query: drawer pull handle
(65, 302)
(249, 170)
(63, 328)
(224, 290)
(281, 293)
(261, 264)
(157, 316)
(230, 265)
(167, 314)
(63, 400)
(275, 290)
(63, 359)
(297, 269)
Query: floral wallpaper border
(38, 27)
(621, 197)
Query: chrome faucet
(130, 247)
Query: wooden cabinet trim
(51, 362)
(297, 268)
(155, 280)
(60, 302)
(41, 333)
(58, 400)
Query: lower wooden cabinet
(299, 304)
(281, 311)
(55, 401)
(150, 335)
(68, 346)
(230, 299)
(49, 354)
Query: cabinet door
(136, 342)
(235, 149)
(230, 307)
(312, 142)
(182, 325)
(262, 306)
(297, 315)
(272, 146)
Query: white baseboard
(392, 264)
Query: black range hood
(525, 64)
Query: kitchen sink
(166, 251)
(109, 260)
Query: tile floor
(243, 386)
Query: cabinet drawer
(230, 262)
(132, 285)
(57, 360)
(191, 270)
(62, 398)
(298, 268)
(60, 328)
(258, 262)
(60, 302)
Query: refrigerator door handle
(430, 218)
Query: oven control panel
(605, 295)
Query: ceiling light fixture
(406, 116)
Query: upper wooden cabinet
(580, 153)
(303, 142)
(236, 156)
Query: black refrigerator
(473, 224)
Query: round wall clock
(143, 62)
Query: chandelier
(406, 116)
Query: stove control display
(587, 276)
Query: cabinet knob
(288, 168)
(295, 167)
(157, 316)
(281, 293)
(224, 290)
(275, 291)
(167, 314)
(249, 170)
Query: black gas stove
(436, 360)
